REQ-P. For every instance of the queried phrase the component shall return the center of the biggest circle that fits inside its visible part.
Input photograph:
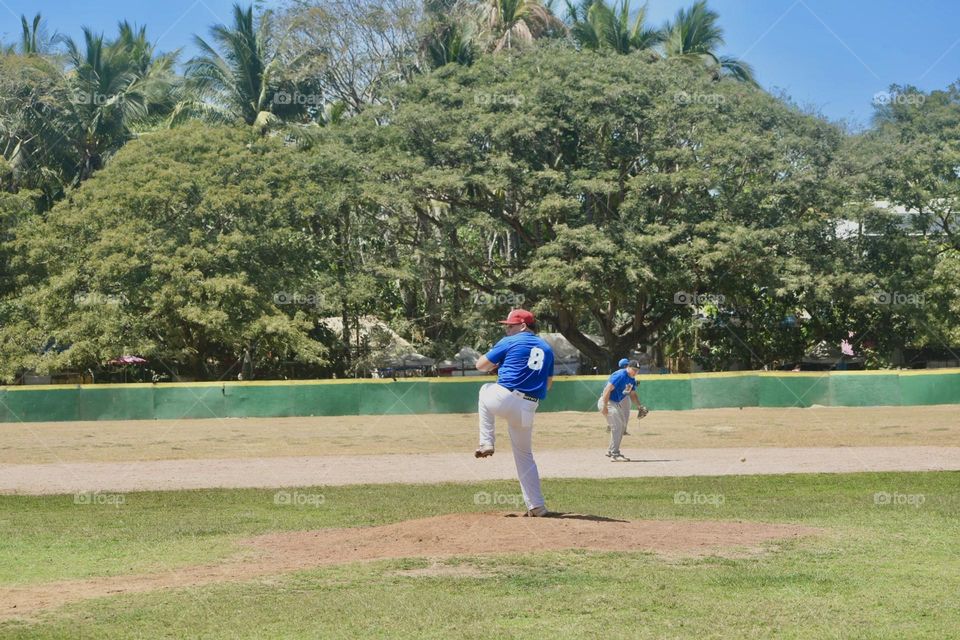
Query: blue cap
(623, 362)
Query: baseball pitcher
(524, 364)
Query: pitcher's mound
(482, 533)
(437, 537)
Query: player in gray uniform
(614, 404)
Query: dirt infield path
(461, 467)
(125, 441)
(437, 537)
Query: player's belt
(521, 394)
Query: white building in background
(907, 221)
(382, 348)
(567, 359)
(462, 364)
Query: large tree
(904, 177)
(590, 191)
(193, 247)
(919, 136)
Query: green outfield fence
(51, 403)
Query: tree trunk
(616, 346)
(342, 267)
(567, 325)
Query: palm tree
(33, 154)
(112, 87)
(695, 35)
(596, 25)
(33, 38)
(240, 77)
(138, 49)
(511, 23)
(451, 43)
(156, 73)
(451, 35)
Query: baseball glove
(642, 412)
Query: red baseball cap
(518, 316)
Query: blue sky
(833, 55)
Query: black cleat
(483, 451)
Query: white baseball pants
(499, 402)
(618, 415)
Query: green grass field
(880, 571)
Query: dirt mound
(437, 537)
(484, 533)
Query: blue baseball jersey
(526, 361)
(622, 383)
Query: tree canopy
(436, 164)
(181, 251)
(600, 191)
